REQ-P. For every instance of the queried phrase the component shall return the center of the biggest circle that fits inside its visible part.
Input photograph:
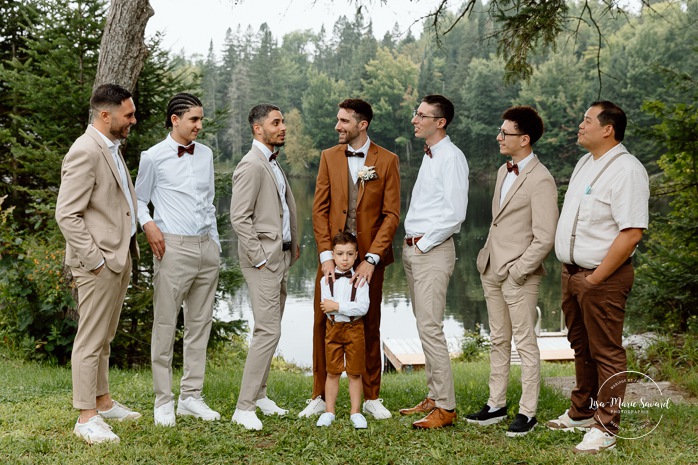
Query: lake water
(465, 307)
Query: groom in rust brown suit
(357, 190)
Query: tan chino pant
(187, 274)
(268, 297)
(427, 277)
(100, 300)
(511, 309)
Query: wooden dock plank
(406, 354)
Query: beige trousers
(268, 297)
(511, 309)
(100, 300)
(427, 277)
(187, 274)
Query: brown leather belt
(574, 269)
(352, 319)
(410, 241)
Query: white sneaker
(95, 430)
(325, 419)
(165, 414)
(119, 412)
(269, 407)
(196, 407)
(376, 408)
(359, 421)
(248, 419)
(595, 441)
(565, 423)
(315, 407)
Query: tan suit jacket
(256, 212)
(377, 207)
(522, 232)
(91, 209)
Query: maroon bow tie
(427, 150)
(513, 167)
(273, 156)
(181, 150)
(346, 274)
(349, 153)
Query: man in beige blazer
(369, 207)
(522, 233)
(96, 212)
(263, 215)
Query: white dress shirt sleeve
(454, 176)
(145, 183)
(360, 306)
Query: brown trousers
(372, 322)
(594, 317)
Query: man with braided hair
(176, 176)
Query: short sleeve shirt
(618, 200)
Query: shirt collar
(618, 148)
(436, 147)
(522, 164)
(111, 145)
(364, 148)
(174, 144)
(265, 150)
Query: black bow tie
(273, 156)
(513, 167)
(427, 150)
(339, 274)
(181, 150)
(349, 153)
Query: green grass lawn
(36, 421)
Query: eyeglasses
(421, 116)
(505, 134)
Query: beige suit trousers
(268, 297)
(511, 309)
(100, 299)
(187, 274)
(427, 277)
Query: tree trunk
(123, 51)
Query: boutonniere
(367, 173)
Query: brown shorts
(345, 339)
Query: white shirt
(439, 196)
(510, 178)
(342, 295)
(354, 164)
(281, 183)
(618, 200)
(181, 190)
(114, 150)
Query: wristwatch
(371, 260)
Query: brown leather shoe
(425, 406)
(437, 418)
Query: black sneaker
(521, 425)
(486, 417)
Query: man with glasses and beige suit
(522, 234)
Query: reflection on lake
(465, 307)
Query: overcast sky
(190, 25)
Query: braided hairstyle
(179, 105)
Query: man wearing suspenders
(602, 220)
